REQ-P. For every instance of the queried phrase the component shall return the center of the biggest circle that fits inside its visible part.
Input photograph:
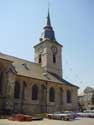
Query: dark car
(71, 113)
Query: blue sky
(21, 24)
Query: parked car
(71, 113)
(60, 116)
(86, 114)
(87, 111)
(92, 111)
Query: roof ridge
(18, 58)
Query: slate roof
(33, 70)
(48, 32)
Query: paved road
(79, 121)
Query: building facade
(37, 87)
(86, 100)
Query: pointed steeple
(48, 33)
(48, 22)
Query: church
(37, 87)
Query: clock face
(54, 49)
(40, 49)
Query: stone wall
(47, 57)
(27, 105)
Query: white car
(59, 116)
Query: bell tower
(48, 52)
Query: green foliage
(93, 98)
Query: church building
(37, 87)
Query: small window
(17, 90)
(25, 66)
(40, 58)
(68, 96)
(51, 94)
(34, 92)
(54, 58)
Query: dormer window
(40, 58)
(25, 66)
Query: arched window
(1, 75)
(40, 58)
(24, 90)
(68, 96)
(34, 92)
(54, 58)
(51, 94)
(17, 90)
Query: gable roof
(33, 70)
(62, 80)
(89, 89)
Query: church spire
(48, 23)
(48, 33)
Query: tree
(92, 99)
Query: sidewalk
(79, 121)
